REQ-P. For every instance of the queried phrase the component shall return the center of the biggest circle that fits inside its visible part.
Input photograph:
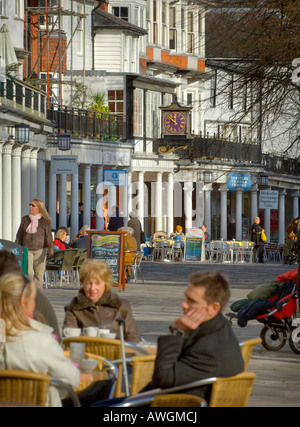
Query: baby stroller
(277, 314)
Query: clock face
(175, 122)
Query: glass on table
(77, 351)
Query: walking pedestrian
(35, 234)
(135, 223)
(256, 230)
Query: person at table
(35, 234)
(97, 305)
(135, 223)
(30, 345)
(43, 308)
(206, 234)
(59, 243)
(201, 343)
(82, 241)
(178, 236)
(115, 221)
(255, 237)
(178, 232)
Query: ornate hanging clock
(175, 122)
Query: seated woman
(30, 345)
(59, 241)
(178, 236)
(97, 305)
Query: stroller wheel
(273, 339)
(294, 341)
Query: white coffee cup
(71, 332)
(103, 331)
(110, 335)
(91, 331)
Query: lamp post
(207, 177)
(64, 141)
(263, 180)
(22, 133)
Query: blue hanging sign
(239, 180)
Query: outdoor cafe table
(234, 246)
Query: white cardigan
(38, 351)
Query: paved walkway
(158, 301)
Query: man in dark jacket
(255, 237)
(202, 343)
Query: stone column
(7, 192)
(158, 201)
(16, 190)
(87, 195)
(238, 213)
(74, 205)
(223, 190)
(33, 173)
(99, 196)
(281, 212)
(200, 205)
(41, 175)
(188, 206)
(129, 193)
(26, 194)
(295, 196)
(52, 198)
(254, 209)
(140, 210)
(170, 204)
(207, 206)
(63, 200)
(267, 223)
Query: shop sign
(239, 180)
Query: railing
(14, 93)
(210, 148)
(88, 124)
(281, 165)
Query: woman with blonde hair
(30, 345)
(97, 305)
(35, 234)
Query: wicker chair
(247, 349)
(108, 368)
(109, 349)
(226, 392)
(63, 262)
(23, 388)
(178, 401)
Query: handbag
(263, 236)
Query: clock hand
(173, 120)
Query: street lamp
(64, 141)
(263, 180)
(207, 177)
(22, 133)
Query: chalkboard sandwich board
(194, 249)
(109, 247)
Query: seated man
(202, 344)
(206, 234)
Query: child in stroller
(293, 257)
(275, 306)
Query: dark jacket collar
(81, 302)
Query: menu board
(109, 247)
(194, 250)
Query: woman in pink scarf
(35, 234)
